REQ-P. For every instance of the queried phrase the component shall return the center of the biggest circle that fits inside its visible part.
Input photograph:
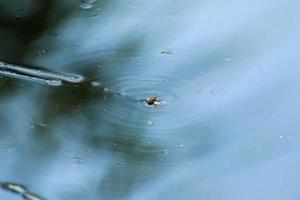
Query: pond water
(74, 77)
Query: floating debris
(165, 52)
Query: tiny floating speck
(149, 123)
(165, 52)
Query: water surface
(74, 124)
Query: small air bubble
(149, 123)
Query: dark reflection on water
(227, 72)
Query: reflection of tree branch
(26, 30)
(29, 28)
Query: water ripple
(130, 110)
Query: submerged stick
(38, 75)
(14, 187)
(51, 82)
(20, 190)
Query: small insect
(154, 101)
(165, 52)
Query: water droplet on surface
(149, 123)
